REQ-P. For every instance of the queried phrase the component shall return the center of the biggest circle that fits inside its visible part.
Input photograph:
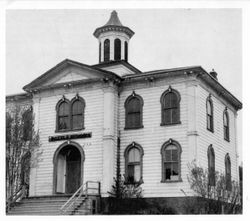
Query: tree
(22, 149)
(218, 198)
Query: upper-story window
(210, 114)
(133, 163)
(133, 111)
(226, 125)
(228, 172)
(126, 50)
(211, 166)
(70, 114)
(107, 50)
(171, 161)
(117, 49)
(170, 107)
(77, 112)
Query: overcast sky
(37, 40)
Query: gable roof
(63, 65)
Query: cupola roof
(113, 24)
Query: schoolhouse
(155, 122)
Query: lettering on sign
(70, 136)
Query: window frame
(163, 161)
(226, 128)
(208, 116)
(106, 50)
(129, 98)
(228, 174)
(211, 165)
(117, 49)
(126, 156)
(163, 97)
(70, 114)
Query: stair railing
(82, 191)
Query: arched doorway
(68, 168)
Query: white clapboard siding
(42, 180)
(152, 136)
(221, 147)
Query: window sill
(171, 181)
(211, 130)
(170, 124)
(133, 128)
(68, 130)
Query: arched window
(171, 161)
(126, 50)
(228, 172)
(70, 114)
(133, 163)
(117, 49)
(133, 109)
(27, 118)
(63, 116)
(170, 107)
(211, 166)
(210, 114)
(107, 50)
(226, 125)
(78, 106)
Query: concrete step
(49, 205)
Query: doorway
(68, 169)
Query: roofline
(63, 64)
(107, 28)
(110, 63)
(19, 96)
(199, 72)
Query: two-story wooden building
(164, 120)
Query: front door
(73, 176)
(73, 170)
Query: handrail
(79, 193)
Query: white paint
(61, 173)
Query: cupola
(113, 40)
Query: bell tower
(113, 40)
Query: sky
(37, 40)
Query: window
(228, 172)
(210, 117)
(133, 163)
(211, 166)
(106, 50)
(63, 116)
(133, 108)
(77, 114)
(170, 107)
(226, 125)
(27, 118)
(117, 49)
(126, 50)
(70, 114)
(171, 161)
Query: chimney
(214, 74)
